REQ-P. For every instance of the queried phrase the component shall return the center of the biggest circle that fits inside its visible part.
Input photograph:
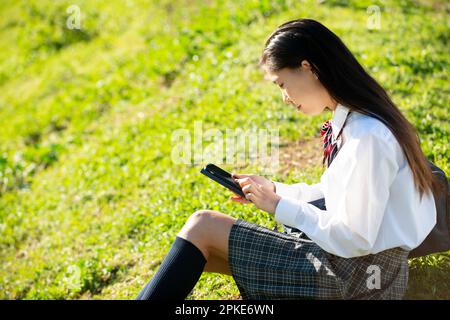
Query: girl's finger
(240, 175)
(247, 188)
(244, 181)
(239, 199)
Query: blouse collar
(339, 116)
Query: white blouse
(372, 203)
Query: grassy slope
(89, 204)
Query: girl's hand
(258, 190)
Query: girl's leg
(209, 230)
(203, 237)
(217, 265)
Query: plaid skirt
(267, 264)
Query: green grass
(90, 199)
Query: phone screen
(223, 177)
(222, 173)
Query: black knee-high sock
(178, 273)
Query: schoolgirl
(377, 188)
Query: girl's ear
(311, 68)
(305, 65)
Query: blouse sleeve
(356, 196)
(301, 191)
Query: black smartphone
(223, 177)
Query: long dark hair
(348, 83)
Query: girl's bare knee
(194, 231)
(208, 230)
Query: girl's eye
(281, 85)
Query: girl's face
(301, 88)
